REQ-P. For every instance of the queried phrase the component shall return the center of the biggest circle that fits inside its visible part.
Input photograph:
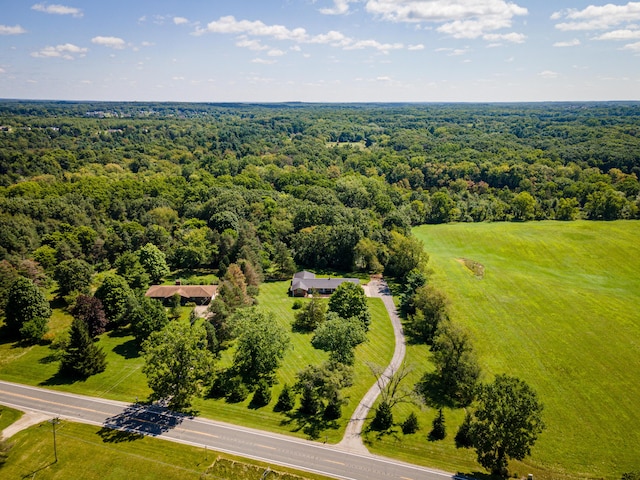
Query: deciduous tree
(89, 309)
(312, 315)
(339, 337)
(506, 423)
(177, 363)
(73, 275)
(350, 301)
(261, 346)
(27, 310)
(154, 261)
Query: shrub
(463, 436)
(297, 304)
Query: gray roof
(304, 274)
(320, 283)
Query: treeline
(318, 185)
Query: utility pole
(54, 422)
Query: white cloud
(177, 78)
(507, 37)
(571, 43)
(634, 47)
(2, 70)
(340, 7)
(596, 17)
(263, 61)
(68, 51)
(254, 45)
(57, 9)
(15, 30)
(415, 47)
(180, 20)
(111, 42)
(247, 28)
(381, 47)
(548, 74)
(619, 35)
(147, 44)
(275, 53)
(458, 18)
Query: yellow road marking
(266, 446)
(332, 461)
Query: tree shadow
(139, 420)
(128, 349)
(52, 357)
(311, 425)
(474, 476)
(59, 379)
(119, 332)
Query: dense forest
(324, 186)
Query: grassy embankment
(146, 458)
(558, 306)
(123, 379)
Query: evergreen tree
(439, 431)
(82, 358)
(463, 435)
(286, 399)
(262, 395)
(411, 424)
(383, 419)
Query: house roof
(304, 274)
(185, 291)
(320, 283)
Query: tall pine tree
(82, 358)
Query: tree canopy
(27, 310)
(177, 363)
(506, 423)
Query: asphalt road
(128, 419)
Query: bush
(411, 424)
(297, 304)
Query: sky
(320, 50)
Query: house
(198, 294)
(305, 283)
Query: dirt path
(352, 439)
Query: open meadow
(558, 305)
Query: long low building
(198, 294)
(305, 283)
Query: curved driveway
(352, 439)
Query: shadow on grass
(311, 425)
(33, 473)
(139, 420)
(128, 349)
(119, 332)
(59, 379)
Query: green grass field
(144, 458)
(559, 307)
(124, 380)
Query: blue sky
(320, 50)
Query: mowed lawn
(124, 380)
(559, 307)
(84, 451)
